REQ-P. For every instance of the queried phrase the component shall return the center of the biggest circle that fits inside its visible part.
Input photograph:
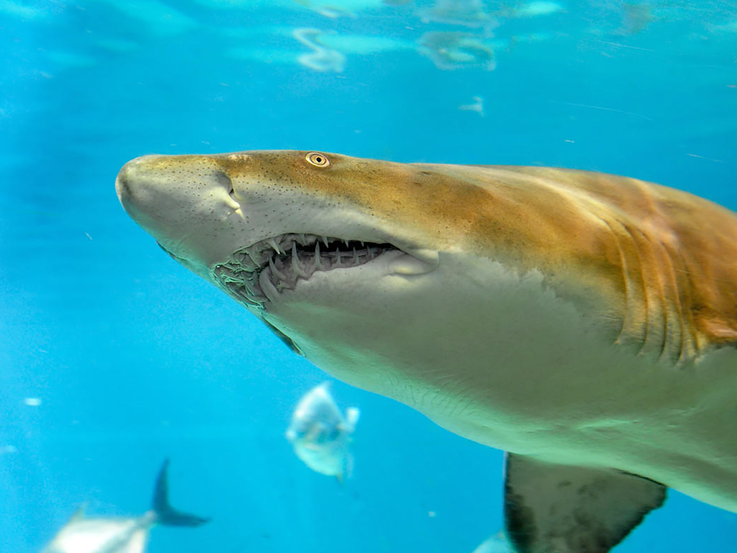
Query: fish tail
(165, 513)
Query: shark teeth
(278, 263)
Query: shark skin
(572, 318)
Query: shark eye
(317, 159)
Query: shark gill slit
(636, 323)
(625, 279)
(692, 337)
(648, 324)
(675, 311)
(656, 288)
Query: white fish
(495, 544)
(477, 106)
(120, 534)
(320, 434)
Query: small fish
(121, 534)
(477, 106)
(495, 544)
(320, 434)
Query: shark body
(584, 323)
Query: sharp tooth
(325, 241)
(318, 261)
(362, 244)
(274, 270)
(271, 242)
(251, 253)
(346, 243)
(295, 262)
(302, 239)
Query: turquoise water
(113, 357)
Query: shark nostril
(225, 181)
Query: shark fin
(165, 513)
(571, 509)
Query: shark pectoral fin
(567, 509)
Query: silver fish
(495, 544)
(121, 534)
(320, 434)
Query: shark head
(257, 207)
(336, 254)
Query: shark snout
(130, 180)
(158, 188)
(184, 202)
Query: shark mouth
(265, 269)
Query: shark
(584, 323)
(83, 534)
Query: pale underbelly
(674, 425)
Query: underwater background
(113, 357)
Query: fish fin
(79, 514)
(570, 509)
(165, 513)
(351, 419)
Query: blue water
(134, 359)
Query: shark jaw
(259, 274)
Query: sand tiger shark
(584, 323)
